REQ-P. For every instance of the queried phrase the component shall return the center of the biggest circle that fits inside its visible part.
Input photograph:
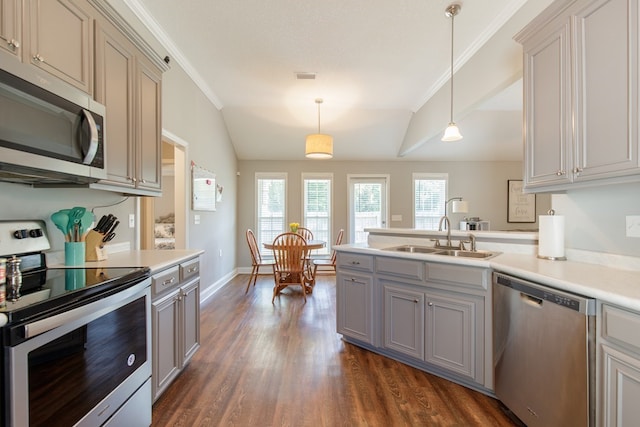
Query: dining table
(309, 277)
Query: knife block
(94, 247)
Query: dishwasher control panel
(541, 293)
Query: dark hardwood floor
(285, 365)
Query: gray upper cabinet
(128, 84)
(10, 26)
(115, 64)
(60, 40)
(581, 94)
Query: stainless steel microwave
(49, 133)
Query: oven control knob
(21, 234)
(36, 232)
(131, 359)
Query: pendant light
(319, 145)
(452, 133)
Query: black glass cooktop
(48, 291)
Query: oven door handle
(91, 310)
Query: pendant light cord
(452, 18)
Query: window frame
(319, 176)
(258, 231)
(430, 176)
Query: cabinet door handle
(577, 170)
(14, 44)
(144, 181)
(560, 173)
(169, 281)
(355, 262)
(38, 57)
(192, 270)
(430, 304)
(416, 301)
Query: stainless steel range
(76, 341)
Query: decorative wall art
(521, 207)
(203, 187)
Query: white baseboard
(210, 290)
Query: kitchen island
(434, 311)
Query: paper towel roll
(551, 237)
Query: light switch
(196, 219)
(396, 217)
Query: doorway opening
(164, 219)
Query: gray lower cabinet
(455, 333)
(355, 297)
(618, 367)
(434, 316)
(404, 320)
(176, 321)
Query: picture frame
(521, 207)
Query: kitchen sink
(440, 251)
(413, 249)
(466, 254)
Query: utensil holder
(95, 247)
(74, 253)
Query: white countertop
(156, 260)
(614, 285)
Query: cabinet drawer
(466, 277)
(400, 267)
(166, 279)
(189, 269)
(355, 261)
(621, 326)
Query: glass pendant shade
(319, 146)
(451, 133)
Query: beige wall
(189, 115)
(483, 184)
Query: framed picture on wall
(521, 207)
(203, 187)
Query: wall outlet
(132, 220)
(196, 219)
(633, 226)
(221, 252)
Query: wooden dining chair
(256, 258)
(331, 262)
(305, 233)
(289, 252)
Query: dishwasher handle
(542, 293)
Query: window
(429, 197)
(271, 190)
(317, 207)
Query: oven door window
(70, 375)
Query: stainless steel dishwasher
(544, 353)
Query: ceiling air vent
(305, 76)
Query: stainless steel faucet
(445, 219)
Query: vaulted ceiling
(382, 68)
